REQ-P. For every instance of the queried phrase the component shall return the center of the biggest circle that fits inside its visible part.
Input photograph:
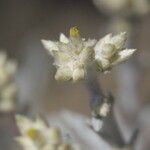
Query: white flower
(71, 55)
(128, 7)
(110, 5)
(8, 89)
(8, 97)
(110, 51)
(141, 7)
(36, 135)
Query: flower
(123, 148)
(111, 5)
(128, 7)
(141, 7)
(8, 88)
(37, 135)
(110, 51)
(71, 55)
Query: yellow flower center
(74, 32)
(32, 133)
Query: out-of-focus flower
(126, 7)
(71, 55)
(36, 135)
(141, 7)
(111, 5)
(8, 88)
(79, 126)
(124, 148)
(110, 51)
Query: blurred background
(24, 23)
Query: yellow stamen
(32, 133)
(74, 32)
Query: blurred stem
(94, 88)
(110, 131)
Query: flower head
(8, 89)
(128, 7)
(37, 135)
(71, 55)
(110, 51)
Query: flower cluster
(110, 51)
(73, 55)
(137, 7)
(36, 135)
(8, 89)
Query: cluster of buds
(129, 7)
(37, 135)
(8, 89)
(73, 55)
(110, 51)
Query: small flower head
(110, 5)
(71, 55)
(110, 51)
(126, 7)
(37, 135)
(8, 89)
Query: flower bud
(78, 74)
(104, 110)
(104, 63)
(62, 57)
(119, 40)
(108, 50)
(63, 74)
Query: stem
(109, 131)
(94, 89)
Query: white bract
(110, 51)
(36, 135)
(71, 55)
(104, 110)
(8, 89)
(96, 124)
